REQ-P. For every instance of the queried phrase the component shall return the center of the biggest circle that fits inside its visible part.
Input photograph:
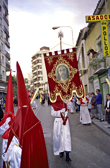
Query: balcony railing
(6, 8)
(97, 64)
(7, 54)
(6, 19)
(8, 66)
(6, 31)
(7, 43)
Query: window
(0, 20)
(83, 61)
(2, 59)
(99, 46)
(0, 8)
(1, 33)
(3, 74)
(1, 46)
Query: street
(90, 146)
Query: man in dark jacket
(99, 104)
(94, 107)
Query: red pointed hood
(9, 107)
(25, 117)
(58, 105)
(22, 93)
(28, 130)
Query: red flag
(63, 75)
(28, 130)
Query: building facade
(4, 46)
(98, 66)
(82, 59)
(39, 71)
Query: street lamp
(60, 35)
(57, 27)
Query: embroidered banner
(63, 75)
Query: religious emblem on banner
(63, 75)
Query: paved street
(90, 146)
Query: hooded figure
(84, 113)
(26, 144)
(61, 129)
(8, 116)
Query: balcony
(34, 71)
(7, 43)
(8, 66)
(81, 70)
(97, 64)
(35, 77)
(7, 54)
(6, 20)
(6, 31)
(6, 8)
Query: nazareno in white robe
(84, 113)
(70, 106)
(3, 128)
(61, 133)
(13, 155)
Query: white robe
(34, 104)
(3, 128)
(61, 133)
(84, 113)
(70, 106)
(13, 154)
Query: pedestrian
(48, 99)
(94, 113)
(1, 113)
(99, 104)
(108, 110)
(43, 100)
(70, 105)
(61, 129)
(84, 113)
(89, 103)
(76, 103)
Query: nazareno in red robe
(28, 129)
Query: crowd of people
(90, 107)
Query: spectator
(48, 99)
(1, 113)
(89, 104)
(108, 110)
(94, 107)
(99, 104)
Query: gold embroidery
(50, 60)
(66, 84)
(71, 56)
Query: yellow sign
(103, 19)
(105, 38)
(95, 18)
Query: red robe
(28, 130)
